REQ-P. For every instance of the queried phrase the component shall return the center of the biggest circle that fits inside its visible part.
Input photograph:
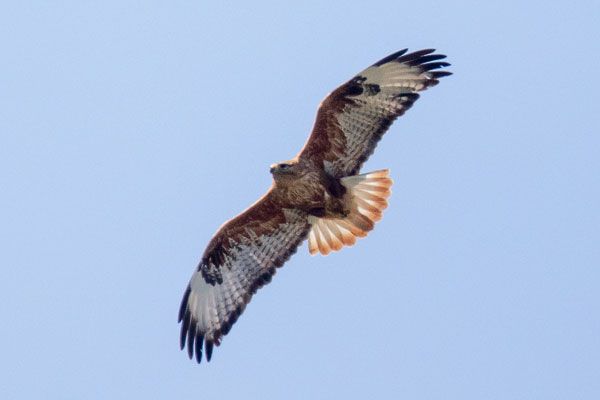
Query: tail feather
(353, 229)
(367, 206)
(367, 197)
(313, 246)
(326, 236)
(361, 222)
(337, 240)
(375, 194)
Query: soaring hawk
(318, 195)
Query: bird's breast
(306, 192)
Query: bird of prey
(320, 195)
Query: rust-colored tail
(368, 198)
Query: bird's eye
(283, 166)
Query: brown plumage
(318, 195)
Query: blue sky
(129, 131)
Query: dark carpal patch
(211, 274)
(354, 89)
(211, 263)
(214, 255)
(371, 89)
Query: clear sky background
(130, 130)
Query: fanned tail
(368, 198)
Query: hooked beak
(272, 168)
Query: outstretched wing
(240, 259)
(353, 118)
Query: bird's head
(284, 170)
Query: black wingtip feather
(434, 65)
(407, 58)
(199, 342)
(429, 58)
(184, 303)
(184, 330)
(190, 341)
(440, 74)
(209, 348)
(391, 57)
(422, 58)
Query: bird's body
(301, 185)
(319, 195)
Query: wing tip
(184, 303)
(184, 331)
(424, 58)
(195, 341)
(391, 57)
(198, 348)
(441, 74)
(208, 348)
